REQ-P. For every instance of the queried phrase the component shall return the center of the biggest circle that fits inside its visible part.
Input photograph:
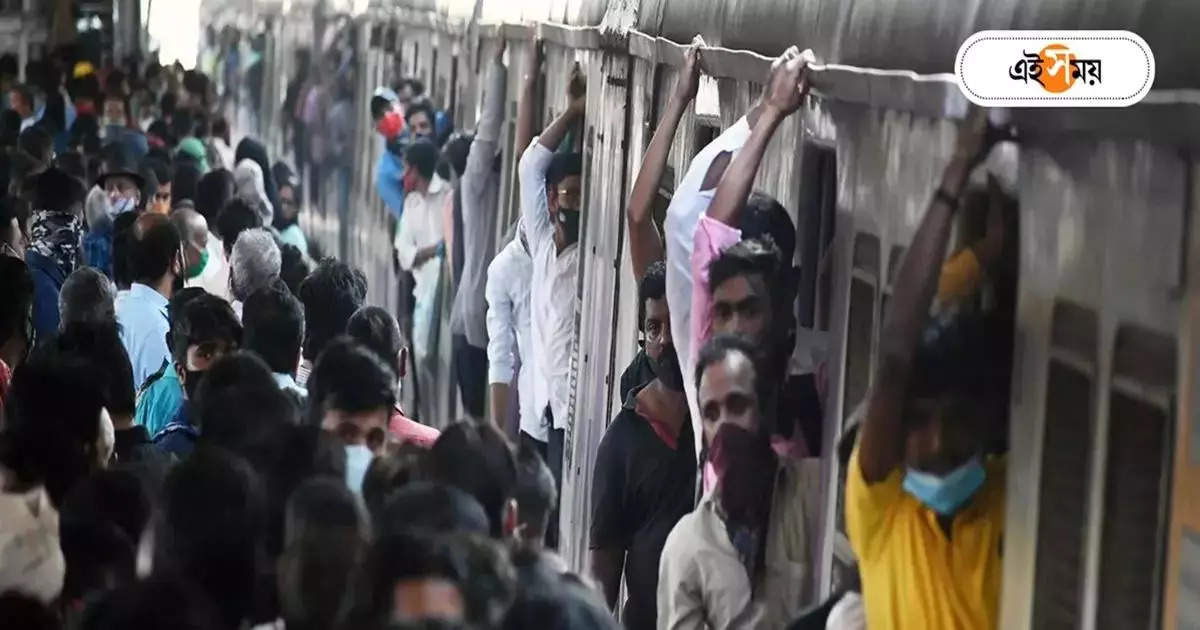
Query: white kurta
(421, 226)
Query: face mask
(358, 459)
(946, 494)
(569, 219)
(198, 268)
(192, 383)
(666, 369)
(390, 125)
(121, 205)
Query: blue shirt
(142, 314)
(389, 180)
(97, 248)
(47, 282)
(160, 402)
(179, 436)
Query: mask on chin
(945, 494)
(569, 220)
(197, 268)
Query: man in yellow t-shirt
(924, 505)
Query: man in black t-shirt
(645, 469)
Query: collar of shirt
(143, 293)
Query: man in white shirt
(551, 186)
(508, 347)
(420, 248)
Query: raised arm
(553, 135)
(784, 94)
(880, 449)
(487, 136)
(528, 98)
(645, 243)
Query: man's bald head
(192, 225)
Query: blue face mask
(945, 494)
(358, 459)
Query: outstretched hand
(689, 74)
(786, 86)
(577, 91)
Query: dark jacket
(137, 454)
(47, 282)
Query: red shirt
(407, 430)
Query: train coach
(1104, 458)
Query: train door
(601, 245)
(1181, 582)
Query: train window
(1137, 478)
(1066, 462)
(817, 212)
(705, 134)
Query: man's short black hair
(562, 166)
(167, 104)
(37, 143)
(350, 378)
(535, 491)
(202, 128)
(375, 328)
(416, 106)
(434, 508)
(100, 524)
(101, 344)
(757, 256)
(154, 247)
(185, 181)
(764, 216)
(163, 170)
(479, 460)
(56, 189)
(236, 217)
(213, 191)
(205, 318)
(293, 267)
(183, 123)
(380, 105)
(51, 423)
(330, 296)
(423, 156)
(274, 327)
(211, 527)
(720, 346)
(456, 149)
(220, 127)
(652, 287)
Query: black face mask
(192, 383)
(569, 219)
(666, 369)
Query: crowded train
(589, 315)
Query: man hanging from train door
(551, 211)
(920, 487)
(689, 252)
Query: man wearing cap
(389, 170)
(122, 181)
(56, 234)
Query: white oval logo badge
(1055, 68)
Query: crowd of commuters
(200, 426)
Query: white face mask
(358, 459)
(123, 204)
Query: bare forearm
(499, 397)
(916, 282)
(739, 177)
(524, 131)
(645, 242)
(553, 135)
